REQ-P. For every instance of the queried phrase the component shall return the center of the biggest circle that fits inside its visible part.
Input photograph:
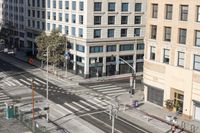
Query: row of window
(36, 3)
(36, 14)
(180, 58)
(183, 12)
(110, 48)
(64, 5)
(182, 35)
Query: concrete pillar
(145, 93)
(74, 64)
(104, 66)
(117, 65)
(86, 63)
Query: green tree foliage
(56, 44)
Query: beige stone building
(172, 54)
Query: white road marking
(114, 91)
(103, 103)
(40, 81)
(11, 83)
(88, 104)
(77, 104)
(97, 104)
(98, 85)
(116, 88)
(29, 79)
(72, 107)
(104, 87)
(16, 81)
(6, 83)
(25, 82)
(64, 108)
(112, 94)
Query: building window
(154, 10)
(182, 36)
(152, 53)
(183, 12)
(33, 13)
(73, 18)
(110, 48)
(48, 15)
(48, 27)
(139, 56)
(49, 4)
(67, 5)
(111, 32)
(60, 4)
(166, 56)
(80, 32)
(60, 16)
(80, 48)
(111, 6)
(169, 9)
(96, 49)
(54, 15)
(97, 20)
(153, 31)
(54, 4)
(73, 5)
(97, 33)
(38, 14)
(124, 7)
(123, 32)
(180, 59)
(126, 47)
(197, 38)
(81, 6)
(167, 34)
(138, 7)
(137, 31)
(66, 30)
(54, 26)
(66, 17)
(73, 31)
(38, 24)
(111, 20)
(80, 19)
(60, 28)
(124, 19)
(140, 46)
(198, 13)
(97, 6)
(196, 62)
(137, 19)
(43, 14)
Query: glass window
(38, 14)
(73, 31)
(110, 32)
(153, 31)
(152, 52)
(139, 56)
(137, 19)
(196, 62)
(80, 32)
(54, 26)
(125, 47)
(137, 31)
(97, 20)
(124, 7)
(80, 19)
(182, 36)
(96, 49)
(73, 5)
(66, 30)
(140, 46)
(183, 12)
(198, 13)
(168, 14)
(111, 6)
(167, 34)
(197, 38)
(38, 24)
(80, 48)
(49, 4)
(48, 15)
(60, 16)
(48, 27)
(67, 5)
(97, 33)
(181, 56)
(123, 32)
(54, 4)
(66, 17)
(154, 10)
(81, 6)
(60, 28)
(166, 56)
(54, 15)
(124, 19)
(60, 4)
(73, 18)
(111, 48)
(97, 6)
(138, 7)
(111, 20)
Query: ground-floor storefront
(196, 110)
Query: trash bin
(135, 103)
(9, 111)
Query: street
(90, 102)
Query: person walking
(173, 128)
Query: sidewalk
(147, 115)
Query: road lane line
(104, 87)
(72, 107)
(114, 91)
(108, 89)
(29, 79)
(88, 104)
(16, 81)
(77, 104)
(103, 103)
(6, 83)
(25, 82)
(98, 85)
(96, 104)
(40, 81)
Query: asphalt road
(65, 98)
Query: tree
(56, 44)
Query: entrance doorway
(178, 101)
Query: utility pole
(114, 108)
(33, 99)
(47, 91)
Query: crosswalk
(4, 98)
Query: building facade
(172, 55)
(99, 32)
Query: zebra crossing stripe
(3, 96)
(112, 94)
(40, 81)
(88, 104)
(7, 83)
(116, 88)
(67, 110)
(77, 104)
(72, 107)
(102, 87)
(33, 82)
(114, 91)
(7, 100)
(16, 81)
(108, 102)
(25, 82)
(96, 104)
(98, 85)
(104, 104)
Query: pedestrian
(173, 128)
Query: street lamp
(47, 86)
